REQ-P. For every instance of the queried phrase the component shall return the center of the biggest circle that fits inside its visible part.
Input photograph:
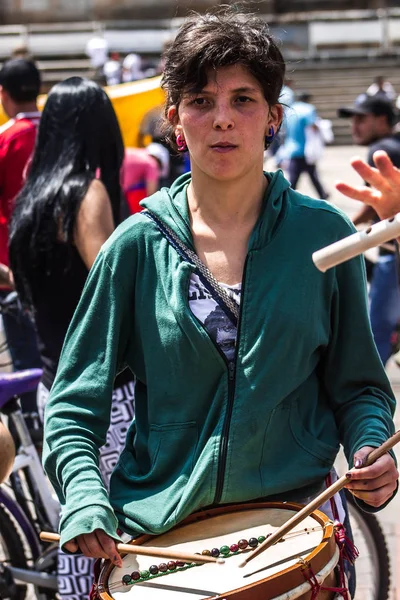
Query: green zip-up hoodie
(307, 375)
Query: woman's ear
(172, 115)
(275, 116)
(173, 118)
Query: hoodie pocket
(291, 456)
(170, 449)
(309, 442)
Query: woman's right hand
(96, 545)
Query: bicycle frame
(27, 459)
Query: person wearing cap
(373, 119)
(19, 87)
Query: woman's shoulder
(129, 239)
(320, 212)
(95, 200)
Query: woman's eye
(243, 99)
(198, 101)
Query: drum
(278, 573)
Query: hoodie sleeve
(356, 383)
(77, 414)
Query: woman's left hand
(375, 484)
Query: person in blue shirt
(301, 116)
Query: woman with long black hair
(69, 206)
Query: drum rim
(282, 582)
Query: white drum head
(210, 580)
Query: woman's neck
(226, 203)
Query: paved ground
(335, 165)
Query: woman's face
(225, 125)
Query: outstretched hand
(384, 194)
(96, 545)
(375, 484)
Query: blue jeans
(385, 303)
(22, 346)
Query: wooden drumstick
(357, 243)
(319, 500)
(47, 536)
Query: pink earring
(180, 142)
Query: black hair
(21, 79)
(78, 135)
(216, 39)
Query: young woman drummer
(226, 411)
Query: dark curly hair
(216, 39)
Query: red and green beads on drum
(173, 565)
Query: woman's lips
(223, 148)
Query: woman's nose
(223, 118)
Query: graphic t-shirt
(219, 327)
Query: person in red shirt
(19, 88)
(142, 170)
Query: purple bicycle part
(14, 384)
(23, 522)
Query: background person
(373, 119)
(97, 50)
(141, 173)
(302, 115)
(112, 69)
(219, 418)
(382, 89)
(132, 68)
(19, 87)
(62, 216)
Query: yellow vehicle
(132, 103)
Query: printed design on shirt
(74, 572)
(217, 324)
(122, 414)
(74, 576)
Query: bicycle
(30, 507)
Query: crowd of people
(374, 124)
(169, 373)
(112, 67)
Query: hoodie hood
(170, 205)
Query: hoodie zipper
(223, 446)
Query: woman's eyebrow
(241, 90)
(246, 89)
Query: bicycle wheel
(12, 551)
(373, 564)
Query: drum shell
(275, 587)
